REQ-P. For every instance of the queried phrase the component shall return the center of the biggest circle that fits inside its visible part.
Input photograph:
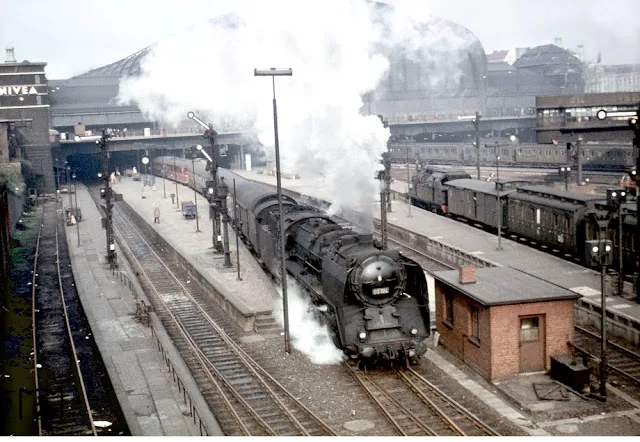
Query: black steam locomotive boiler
(375, 301)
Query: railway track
(623, 364)
(63, 406)
(245, 399)
(416, 407)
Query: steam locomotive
(374, 301)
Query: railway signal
(108, 223)
(212, 166)
(475, 119)
(634, 124)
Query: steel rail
(241, 355)
(632, 356)
(76, 361)
(366, 383)
(34, 324)
(185, 335)
(451, 402)
(427, 400)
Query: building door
(532, 343)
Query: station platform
(156, 391)
(250, 300)
(624, 313)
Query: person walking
(156, 215)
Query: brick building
(24, 107)
(501, 321)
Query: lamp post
(498, 198)
(75, 196)
(68, 184)
(164, 177)
(145, 161)
(237, 225)
(111, 250)
(194, 155)
(210, 134)
(273, 72)
(475, 119)
(175, 177)
(634, 124)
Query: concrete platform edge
(238, 311)
(175, 359)
(184, 374)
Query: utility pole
(223, 192)
(635, 124)
(237, 225)
(383, 203)
(579, 160)
(111, 248)
(175, 173)
(408, 185)
(75, 197)
(476, 123)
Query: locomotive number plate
(381, 291)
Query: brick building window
(474, 316)
(448, 309)
(529, 329)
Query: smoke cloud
(338, 50)
(307, 335)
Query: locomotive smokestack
(467, 275)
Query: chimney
(467, 275)
(10, 56)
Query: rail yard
(396, 233)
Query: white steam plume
(307, 335)
(330, 47)
(336, 49)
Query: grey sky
(73, 36)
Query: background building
(24, 116)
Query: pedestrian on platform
(156, 215)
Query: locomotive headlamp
(362, 336)
(607, 248)
(99, 174)
(414, 331)
(595, 249)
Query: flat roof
(504, 285)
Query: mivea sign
(18, 90)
